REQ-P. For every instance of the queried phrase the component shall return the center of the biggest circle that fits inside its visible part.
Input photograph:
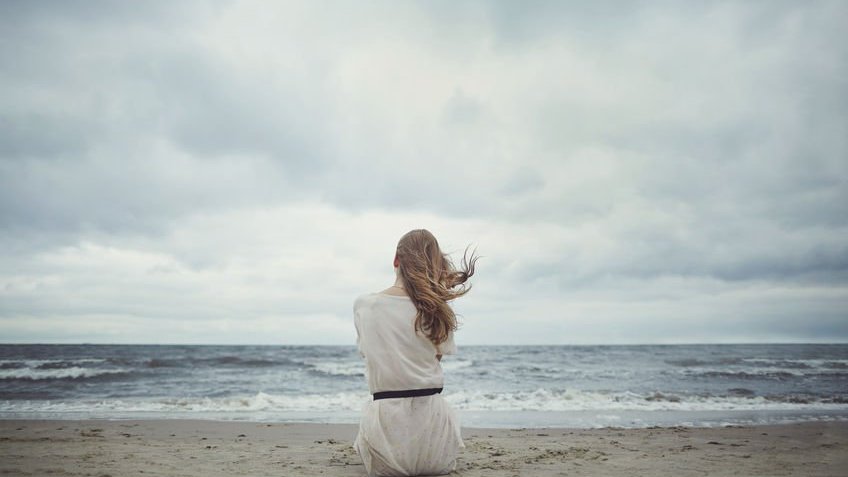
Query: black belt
(407, 393)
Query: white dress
(402, 436)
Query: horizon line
(692, 343)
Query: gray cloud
(596, 153)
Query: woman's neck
(398, 280)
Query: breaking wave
(537, 400)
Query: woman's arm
(448, 347)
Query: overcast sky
(239, 172)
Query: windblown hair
(431, 280)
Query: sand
(213, 448)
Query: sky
(234, 172)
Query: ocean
(490, 386)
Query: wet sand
(214, 448)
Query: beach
(184, 447)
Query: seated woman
(402, 332)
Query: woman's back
(410, 435)
(396, 357)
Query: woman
(402, 333)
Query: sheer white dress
(402, 436)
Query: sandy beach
(223, 448)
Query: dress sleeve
(448, 346)
(356, 325)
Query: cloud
(251, 166)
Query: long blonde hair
(431, 280)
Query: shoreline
(488, 419)
(200, 447)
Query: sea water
(490, 386)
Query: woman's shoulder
(367, 301)
(362, 299)
(376, 295)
